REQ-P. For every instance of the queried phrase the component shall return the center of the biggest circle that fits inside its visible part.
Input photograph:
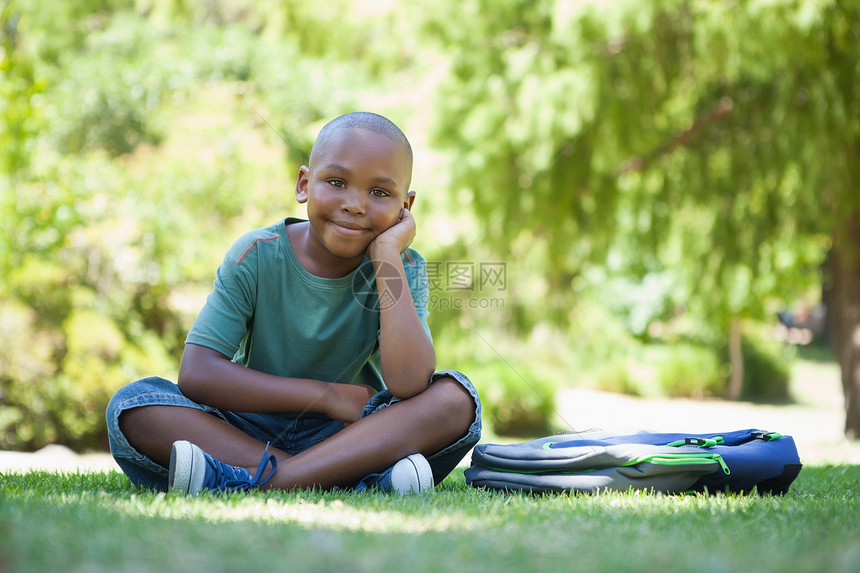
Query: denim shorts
(287, 433)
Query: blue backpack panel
(737, 461)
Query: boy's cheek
(390, 222)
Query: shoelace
(231, 478)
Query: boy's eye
(337, 183)
(379, 193)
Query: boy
(295, 357)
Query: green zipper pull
(722, 463)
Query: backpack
(737, 461)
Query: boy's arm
(209, 377)
(406, 352)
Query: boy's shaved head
(363, 120)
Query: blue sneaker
(410, 475)
(193, 470)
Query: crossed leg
(424, 424)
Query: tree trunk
(844, 310)
(736, 358)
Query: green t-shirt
(270, 314)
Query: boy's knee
(133, 396)
(117, 402)
(455, 398)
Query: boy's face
(355, 187)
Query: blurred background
(657, 198)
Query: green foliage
(108, 101)
(633, 165)
(649, 137)
(691, 371)
(516, 401)
(20, 85)
(767, 368)
(679, 139)
(615, 376)
(59, 29)
(137, 153)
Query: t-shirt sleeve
(226, 317)
(419, 285)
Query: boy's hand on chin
(396, 239)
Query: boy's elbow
(404, 393)
(194, 371)
(410, 384)
(189, 382)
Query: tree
(133, 149)
(717, 139)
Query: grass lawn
(99, 522)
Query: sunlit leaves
(683, 133)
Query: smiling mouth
(348, 228)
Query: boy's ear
(410, 199)
(302, 184)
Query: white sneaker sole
(412, 475)
(187, 468)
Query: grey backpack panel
(642, 476)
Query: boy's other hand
(396, 238)
(347, 401)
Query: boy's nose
(353, 202)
